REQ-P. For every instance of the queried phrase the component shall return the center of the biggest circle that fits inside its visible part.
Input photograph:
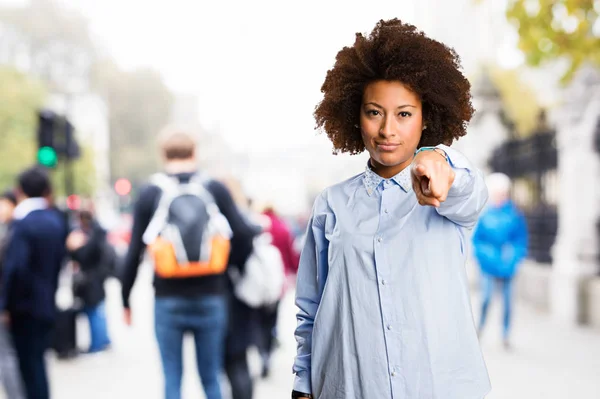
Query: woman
(500, 244)
(384, 308)
(88, 246)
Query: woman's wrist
(434, 149)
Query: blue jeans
(488, 284)
(206, 318)
(98, 329)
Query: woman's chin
(391, 160)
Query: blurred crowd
(221, 269)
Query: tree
(558, 29)
(55, 41)
(140, 105)
(518, 100)
(20, 97)
(61, 53)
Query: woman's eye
(404, 114)
(373, 112)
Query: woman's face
(391, 122)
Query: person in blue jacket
(500, 245)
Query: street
(546, 361)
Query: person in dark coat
(9, 368)
(31, 266)
(87, 246)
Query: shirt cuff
(461, 166)
(302, 382)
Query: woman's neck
(387, 172)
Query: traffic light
(47, 157)
(73, 202)
(122, 186)
(56, 137)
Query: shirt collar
(372, 180)
(29, 205)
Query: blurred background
(85, 86)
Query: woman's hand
(432, 177)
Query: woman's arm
(312, 273)
(468, 194)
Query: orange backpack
(187, 236)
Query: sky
(256, 66)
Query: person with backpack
(500, 245)
(193, 231)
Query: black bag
(109, 259)
(64, 335)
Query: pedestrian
(382, 293)
(500, 245)
(193, 231)
(243, 324)
(31, 266)
(87, 246)
(9, 368)
(281, 238)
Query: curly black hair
(395, 51)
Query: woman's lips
(387, 147)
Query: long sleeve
(312, 274)
(17, 256)
(91, 252)
(142, 214)
(468, 194)
(476, 240)
(291, 255)
(519, 241)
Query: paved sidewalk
(547, 361)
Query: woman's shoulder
(343, 188)
(337, 194)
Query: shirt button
(383, 282)
(393, 373)
(385, 210)
(379, 239)
(389, 327)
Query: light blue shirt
(384, 307)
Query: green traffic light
(47, 157)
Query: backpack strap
(171, 189)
